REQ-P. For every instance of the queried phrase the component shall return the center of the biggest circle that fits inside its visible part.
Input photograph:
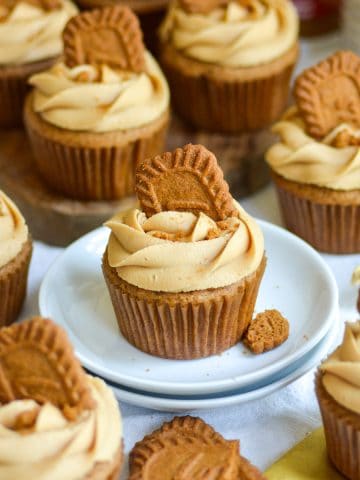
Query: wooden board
(59, 221)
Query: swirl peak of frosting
(13, 230)
(55, 448)
(83, 99)
(235, 35)
(341, 371)
(181, 252)
(301, 158)
(30, 33)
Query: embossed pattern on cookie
(269, 330)
(187, 179)
(107, 36)
(37, 362)
(182, 449)
(328, 94)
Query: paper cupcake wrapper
(13, 283)
(184, 325)
(331, 228)
(13, 90)
(342, 433)
(85, 170)
(227, 105)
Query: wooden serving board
(58, 221)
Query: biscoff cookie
(268, 330)
(117, 107)
(110, 36)
(37, 362)
(47, 401)
(188, 448)
(187, 179)
(328, 94)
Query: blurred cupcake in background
(93, 116)
(30, 41)
(232, 61)
(15, 256)
(316, 163)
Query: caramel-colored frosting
(341, 371)
(180, 252)
(303, 159)
(236, 35)
(13, 231)
(29, 33)
(83, 99)
(55, 448)
(355, 279)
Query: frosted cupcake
(15, 256)
(56, 422)
(316, 163)
(94, 116)
(184, 269)
(232, 61)
(30, 41)
(337, 389)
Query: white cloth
(266, 427)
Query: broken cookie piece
(269, 330)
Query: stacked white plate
(351, 24)
(297, 282)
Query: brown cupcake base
(92, 166)
(107, 470)
(14, 88)
(183, 325)
(13, 283)
(327, 219)
(342, 433)
(224, 99)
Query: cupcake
(150, 13)
(232, 61)
(30, 41)
(337, 390)
(56, 422)
(15, 256)
(92, 117)
(316, 163)
(183, 270)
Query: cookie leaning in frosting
(30, 41)
(316, 163)
(188, 448)
(56, 422)
(231, 60)
(183, 270)
(15, 256)
(337, 390)
(93, 116)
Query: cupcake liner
(329, 227)
(226, 103)
(13, 90)
(183, 325)
(342, 433)
(108, 470)
(13, 283)
(88, 166)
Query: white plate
(292, 373)
(297, 282)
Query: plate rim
(186, 388)
(182, 405)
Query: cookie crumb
(268, 330)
